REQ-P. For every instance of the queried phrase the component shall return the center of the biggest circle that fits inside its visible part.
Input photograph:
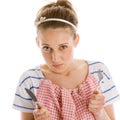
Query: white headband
(43, 19)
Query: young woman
(66, 88)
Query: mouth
(57, 65)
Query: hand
(96, 103)
(41, 114)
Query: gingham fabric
(33, 78)
(67, 104)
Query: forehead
(55, 36)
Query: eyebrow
(45, 44)
(58, 45)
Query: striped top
(32, 78)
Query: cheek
(68, 54)
(46, 56)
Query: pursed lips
(57, 65)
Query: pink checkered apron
(67, 104)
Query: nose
(55, 56)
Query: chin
(58, 71)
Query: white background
(99, 31)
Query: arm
(96, 106)
(106, 114)
(110, 111)
(27, 116)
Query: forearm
(27, 116)
(102, 116)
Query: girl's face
(57, 48)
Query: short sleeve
(108, 87)
(31, 80)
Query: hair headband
(43, 19)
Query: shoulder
(30, 79)
(92, 65)
(30, 76)
(107, 85)
(95, 66)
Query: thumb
(97, 90)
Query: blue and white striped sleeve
(108, 87)
(31, 80)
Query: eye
(46, 49)
(63, 47)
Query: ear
(37, 41)
(76, 40)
